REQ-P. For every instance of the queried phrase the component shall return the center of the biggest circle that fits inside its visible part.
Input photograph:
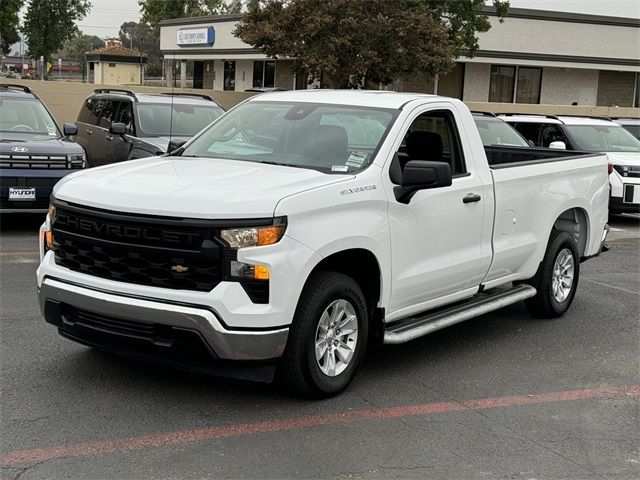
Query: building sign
(196, 36)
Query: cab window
(552, 133)
(433, 136)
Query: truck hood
(190, 187)
(49, 146)
(624, 158)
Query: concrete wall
(565, 86)
(64, 99)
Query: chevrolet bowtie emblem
(179, 268)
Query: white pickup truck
(300, 225)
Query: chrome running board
(413, 327)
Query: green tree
(9, 23)
(348, 41)
(153, 11)
(145, 38)
(76, 47)
(464, 19)
(48, 23)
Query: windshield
(603, 138)
(496, 132)
(330, 138)
(25, 119)
(632, 129)
(188, 119)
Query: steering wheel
(24, 127)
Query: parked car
(265, 89)
(632, 125)
(116, 125)
(591, 134)
(301, 223)
(34, 154)
(496, 132)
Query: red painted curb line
(191, 436)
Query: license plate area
(22, 193)
(631, 194)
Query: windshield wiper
(270, 162)
(7, 140)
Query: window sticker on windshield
(340, 168)
(356, 159)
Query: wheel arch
(364, 267)
(575, 221)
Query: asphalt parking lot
(501, 396)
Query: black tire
(299, 369)
(545, 304)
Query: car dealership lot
(500, 396)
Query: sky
(107, 15)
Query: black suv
(116, 125)
(34, 154)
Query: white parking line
(612, 286)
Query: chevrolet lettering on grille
(123, 231)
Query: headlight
(77, 160)
(46, 234)
(253, 236)
(242, 237)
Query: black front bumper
(617, 205)
(174, 347)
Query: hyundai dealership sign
(196, 36)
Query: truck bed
(505, 157)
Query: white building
(534, 57)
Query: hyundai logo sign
(19, 149)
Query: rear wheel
(557, 277)
(328, 336)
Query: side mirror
(559, 145)
(69, 129)
(175, 145)
(118, 129)
(421, 175)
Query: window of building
(501, 83)
(229, 77)
(515, 84)
(637, 95)
(528, 86)
(264, 74)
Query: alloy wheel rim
(336, 337)
(562, 279)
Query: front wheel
(328, 336)
(557, 277)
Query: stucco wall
(563, 86)
(119, 74)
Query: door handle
(109, 137)
(472, 197)
(90, 132)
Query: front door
(436, 239)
